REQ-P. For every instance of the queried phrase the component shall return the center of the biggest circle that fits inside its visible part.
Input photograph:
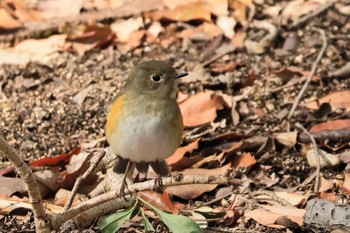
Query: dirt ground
(49, 109)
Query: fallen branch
(59, 219)
(40, 217)
(312, 73)
(339, 135)
(318, 168)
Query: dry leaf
(124, 28)
(10, 186)
(267, 216)
(59, 8)
(195, 190)
(346, 184)
(200, 108)
(208, 29)
(7, 21)
(245, 160)
(227, 25)
(339, 99)
(289, 139)
(218, 7)
(180, 152)
(331, 125)
(162, 201)
(192, 11)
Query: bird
(144, 122)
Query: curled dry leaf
(339, 99)
(201, 108)
(124, 28)
(195, 190)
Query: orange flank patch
(114, 116)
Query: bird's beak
(180, 75)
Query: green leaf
(148, 225)
(176, 223)
(114, 222)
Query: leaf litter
(232, 50)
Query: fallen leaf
(325, 185)
(62, 195)
(209, 29)
(59, 8)
(200, 108)
(331, 125)
(218, 7)
(288, 139)
(227, 25)
(223, 67)
(296, 199)
(180, 152)
(7, 21)
(245, 160)
(289, 72)
(339, 99)
(10, 186)
(193, 11)
(346, 184)
(192, 191)
(124, 28)
(267, 216)
(55, 161)
(48, 177)
(161, 201)
(326, 159)
(240, 9)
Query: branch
(41, 220)
(318, 169)
(59, 219)
(312, 73)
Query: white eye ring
(156, 78)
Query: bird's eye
(156, 78)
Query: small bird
(144, 124)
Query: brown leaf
(246, 160)
(288, 139)
(208, 29)
(9, 186)
(193, 11)
(288, 72)
(339, 99)
(200, 108)
(195, 190)
(55, 161)
(346, 184)
(180, 152)
(162, 201)
(267, 216)
(331, 125)
(7, 21)
(218, 7)
(223, 67)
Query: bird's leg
(124, 183)
(162, 169)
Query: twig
(82, 178)
(313, 14)
(318, 168)
(312, 73)
(271, 195)
(59, 219)
(41, 219)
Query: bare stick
(312, 73)
(313, 14)
(318, 169)
(41, 219)
(82, 178)
(59, 219)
